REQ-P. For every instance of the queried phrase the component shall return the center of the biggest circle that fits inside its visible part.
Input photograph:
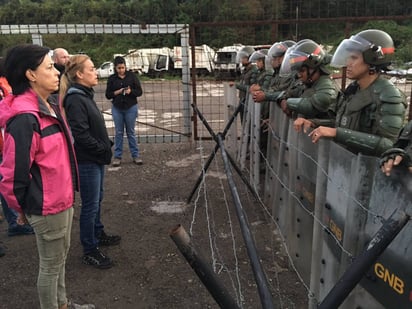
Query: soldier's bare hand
(302, 124)
(258, 96)
(254, 87)
(322, 132)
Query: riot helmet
(260, 54)
(304, 53)
(376, 47)
(244, 52)
(279, 48)
(289, 43)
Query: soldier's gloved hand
(394, 157)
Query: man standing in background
(60, 58)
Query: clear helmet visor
(292, 62)
(268, 62)
(347, 48)
(277, 50)
(256, 56)
(241, 55)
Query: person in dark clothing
(123, 88)
(93, 150)
(60, 58)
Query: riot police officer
(261, 81)
(261, 77)
(247, 71)
(277, 83)
(307, 60)
(371, 111)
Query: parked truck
(204, 59)
(226, 65)
(148, 60)
(154, 61)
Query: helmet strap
(310, 75)
(372, 70)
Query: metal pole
(212, 155)
(184, 42)
(410, 104)
(297, 18)
(205, 123)
(261, 281)
(243, 177)
(382, 239)
(203, 271)
(246, 130)
(202, 173)
(190, 69)
(231, 120)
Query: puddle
(169, 207)
(184, 162)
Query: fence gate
(165, 107)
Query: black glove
(392, 153)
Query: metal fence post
(231, 103)
(202, 269)
(260, 278)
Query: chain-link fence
(195, 69)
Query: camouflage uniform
(369, 120)
(243, 85)
(315, 99)
(245, 81)
(263, 78)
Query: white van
(105, 70)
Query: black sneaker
(18, 229)
(108, 240)
(97, 259)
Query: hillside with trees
(211, 12)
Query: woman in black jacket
(93, 150)
(123, 88)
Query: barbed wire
(330, 179)
(216, 256)
(238, 291)
(214, 248)
(237, 287)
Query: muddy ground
(142, 204)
